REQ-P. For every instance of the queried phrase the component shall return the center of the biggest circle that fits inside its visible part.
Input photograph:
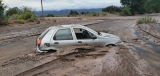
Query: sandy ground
(137, 57)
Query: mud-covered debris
(92, 55)
(84, 49)
(18, 60)
(77, 48)
(104, 51)
(117, 52)
(66, 60)
(122, 47)
(135, 39)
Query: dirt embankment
(150, 32)
(149, 47)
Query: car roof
(67, 26)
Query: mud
(114, 61)
(138, 56)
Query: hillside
(66, 11)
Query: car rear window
(63, 34)
(44, 33)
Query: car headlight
(120, 42)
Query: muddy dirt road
(134, 58)
(135, 39)
(20, 39)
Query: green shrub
(4, 21)
(94, 14)
(146, 20)
(91, 14)
(26, 9)
(27, 15)
(13, 16)
(125, 11)
(32, 19)
(20, 21)
(21, 14)
(50, 15)
(103, 13)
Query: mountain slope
(66, 11)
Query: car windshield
(95, 32)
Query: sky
(62, 4)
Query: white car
(57, 37)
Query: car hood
(108, 35)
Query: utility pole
(42, 8)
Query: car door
(62, 38)
(83, 36)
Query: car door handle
(79, 41)
(56, 43)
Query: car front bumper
(119, 42)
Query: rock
(38, 22)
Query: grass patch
(146, 20)
(103, 13)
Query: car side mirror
(99, 33)
(94, 37)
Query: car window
(63, 34)
(90, 34)
(44, 33)
(83, 34)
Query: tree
(73, 13)
(26, 9)
(12, 11)
(82, 13)
(152, 6)
(135, 5)
(76, 13)
(111, 9)
(2, 8)
(125, 11)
